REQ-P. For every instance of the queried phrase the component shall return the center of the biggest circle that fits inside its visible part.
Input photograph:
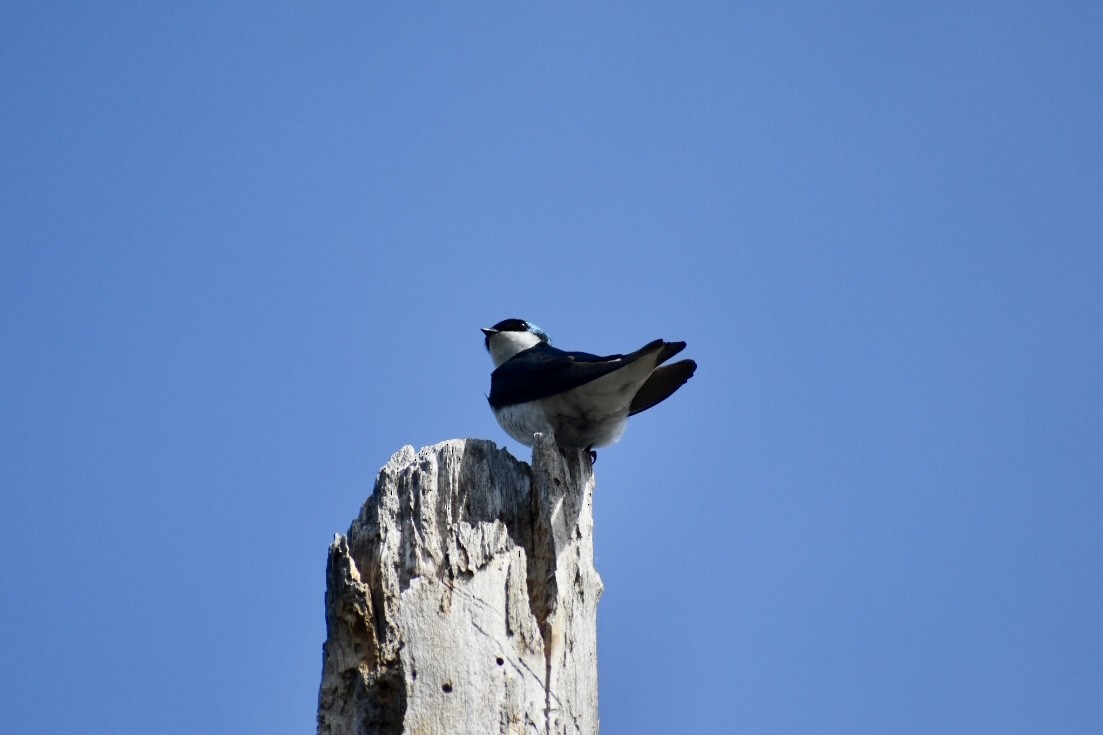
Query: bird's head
(510, 336)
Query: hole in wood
(446, 687)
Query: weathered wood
(464, 598)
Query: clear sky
(247, 249)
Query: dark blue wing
(587, 357)
(543, 371)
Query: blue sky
(247, 249)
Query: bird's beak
(488, 331)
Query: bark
(464, 597)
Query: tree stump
(464, 597)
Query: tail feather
(663, 380)
(669, 350)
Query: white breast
(523, 420)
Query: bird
(584, 400)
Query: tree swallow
(584, 400)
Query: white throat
(505, 345)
